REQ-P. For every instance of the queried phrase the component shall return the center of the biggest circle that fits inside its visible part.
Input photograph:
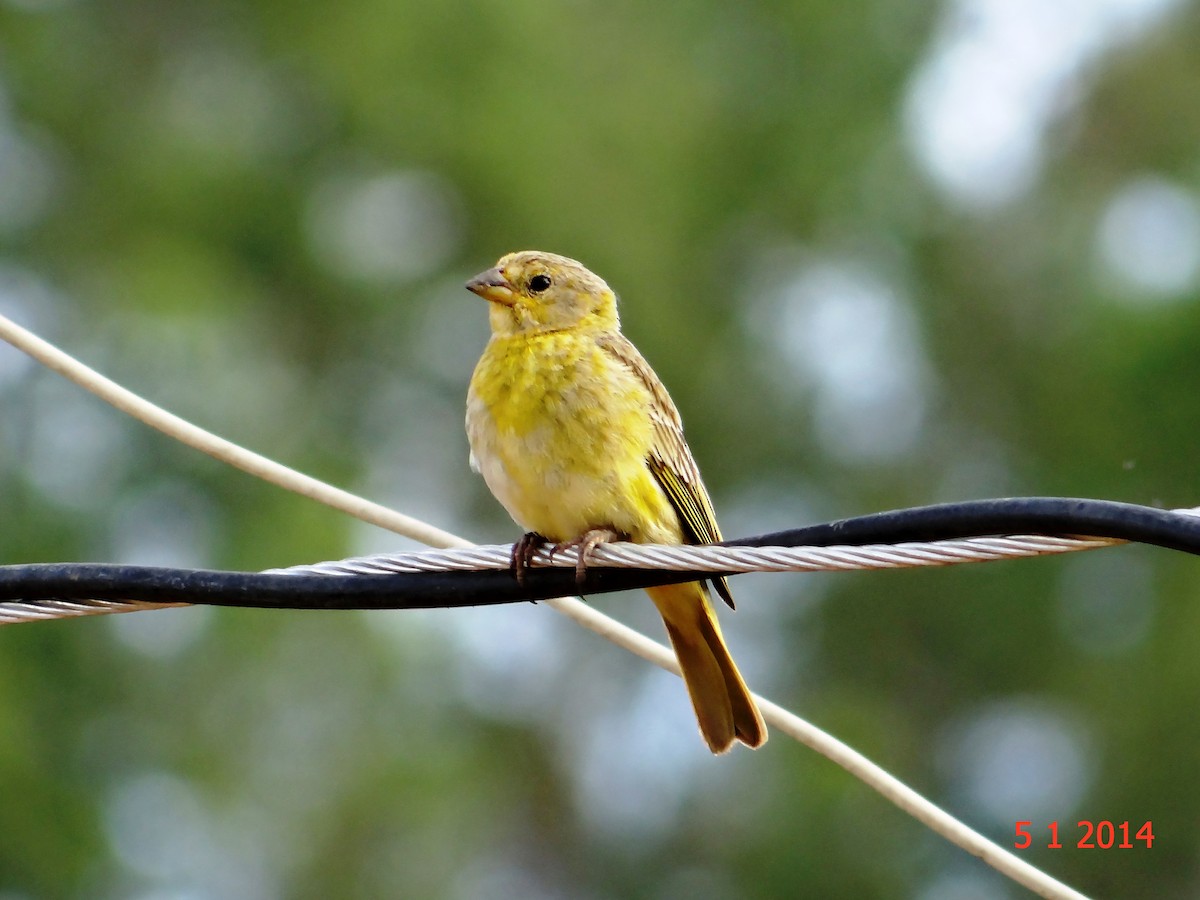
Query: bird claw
(585, 544)
(523, 552)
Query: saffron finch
(578, 439)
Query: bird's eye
(538, 283)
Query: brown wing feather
(670, 460)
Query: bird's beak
(492, 286)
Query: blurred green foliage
(867, 281)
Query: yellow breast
(560, 431)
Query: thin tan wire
(781, 719)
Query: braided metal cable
(13, 612)
(715, 559)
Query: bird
(580, 442)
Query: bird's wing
(670, 461)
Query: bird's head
(532, 292)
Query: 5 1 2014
(1102, 835)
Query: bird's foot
(523, 552)
(585, 544)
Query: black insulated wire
(1054, 516)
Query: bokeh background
(882, 253)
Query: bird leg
(585, 544)
(522, 554)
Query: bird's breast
(560, 431)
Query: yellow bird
(579, 440)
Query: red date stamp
(1103, 835)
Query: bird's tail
(724, 706)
